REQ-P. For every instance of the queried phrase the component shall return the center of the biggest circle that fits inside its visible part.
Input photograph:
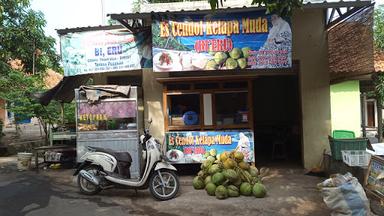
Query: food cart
(107, 117)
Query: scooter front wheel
(164, 184)
(85, 186)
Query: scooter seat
(120, 156)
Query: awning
(63, 91)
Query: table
(45, 148)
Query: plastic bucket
(24, 161)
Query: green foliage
(18, 95)
(69, 112)
(169, 43)
(22, 38)
(378, 27)
(136, 6)
(1, 128)
(22, 34)
(378, 81)
(281, 8)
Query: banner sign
(107, 110)
(105, 51)
(249, 40)
(190, 146)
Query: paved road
(53, 192)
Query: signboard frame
(200, 42)
(370, 178)
(109, 50)
(188, 147)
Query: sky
(61, 14)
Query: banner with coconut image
(196, 146)
(248, 40)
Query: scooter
(105, 168)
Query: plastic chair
(343, 134)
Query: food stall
(107, 117)
(211, 108)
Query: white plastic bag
(345, 198)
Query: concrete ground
(54, 192)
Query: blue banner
(232, 41)
(190, 146)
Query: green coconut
(201, 173)
(218, 178)
(211, 65)
(229, 163)
(235, 53)
(224, 156)
(206, 154)
(198, 183)
(221, 192)
(254, 171)
(239, 156)
(233, 191)
(231, 63)
(259, 190)
(243, 165)
(246, 51)
(214, 169)
(238, 182)
(211, 158)
(220, 57)
(246, 189)
(213, 152)
(211, 189)
(231, 175)
(206, 164)
(207, 180)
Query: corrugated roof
(329, 1)
(198, 7)
(206, 8)
(88, 28)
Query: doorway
(277, 120)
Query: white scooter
(104, 168)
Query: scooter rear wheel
(85, 186)
(164, 187)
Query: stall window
(184, 110)
(231, 108)
(208, 106)
(107, 115)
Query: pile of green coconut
(228, 175)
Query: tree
(378, 36)
(25, 54)
(378, 28)
(378, 78)
(282, 8)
